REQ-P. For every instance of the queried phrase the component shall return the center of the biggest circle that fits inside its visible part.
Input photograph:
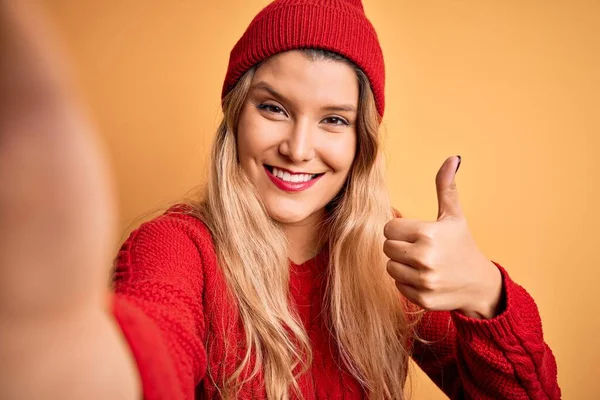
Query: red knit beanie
(340, 26)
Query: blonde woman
(291, 276)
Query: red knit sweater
(169, 301)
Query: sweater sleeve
(158, 287)
(501, 358)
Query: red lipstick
(291, 186)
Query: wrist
(487, 301)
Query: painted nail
(458, 166)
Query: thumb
(445, 184)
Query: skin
(299, 115)
(287, 122)
(57, 339)
(57, 216)
(438, 265)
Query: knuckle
(426, 301)
(426, 232)
(431, 260)
(425, 259)
(430, 281)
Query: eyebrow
(262, 85)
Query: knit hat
(340, 26)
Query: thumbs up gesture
(437, 265)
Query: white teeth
(286, 176)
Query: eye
(336, 121)
(271, 108)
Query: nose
(298, 145)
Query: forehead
(301, 79)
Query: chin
(286, 217)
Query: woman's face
(297, 134)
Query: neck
(304, 238)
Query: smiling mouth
(291, 177)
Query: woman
(292, 276)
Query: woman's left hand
(437, 265)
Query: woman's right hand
(57, 217)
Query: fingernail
(458, 166)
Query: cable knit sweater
(169, 302)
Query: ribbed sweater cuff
(507, 323)
(159, 381)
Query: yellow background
(512, 86)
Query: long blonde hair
(363, 307)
